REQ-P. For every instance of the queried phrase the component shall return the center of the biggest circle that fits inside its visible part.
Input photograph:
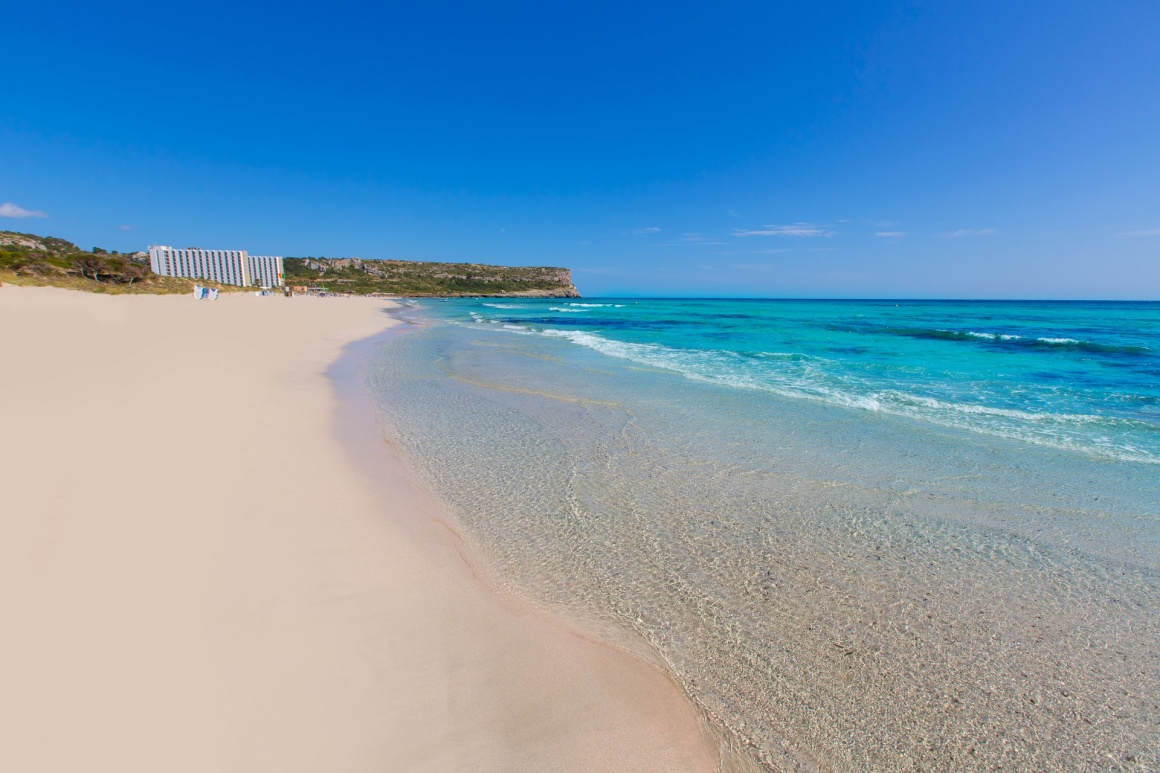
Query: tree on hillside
(132, 272)
(89, 265)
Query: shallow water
(861, 535)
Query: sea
(860, 535)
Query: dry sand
(196, 575)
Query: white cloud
(889, 234)
(8, 209)
(796, 229)
(652, 229)
(965, 232)
(125, 227)
(1145, 232)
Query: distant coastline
(29, 259)
(427, 279)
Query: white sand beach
(197, 575)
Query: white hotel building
(231, 267)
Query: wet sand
(196, 574)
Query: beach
(211, 562)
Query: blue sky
(861, 149)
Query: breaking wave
(1041, 342)
(802, 376)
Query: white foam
(985, 335)
(808, 378)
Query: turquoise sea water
(861, 535)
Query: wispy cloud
(8, 209)
(777, 251)
(696, 238)
(652, 229)
(795, 229)
(966, 232)
(125, 227)
(890, 234)
(1145, 232)
(690, 239)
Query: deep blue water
(861, 535)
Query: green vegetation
(405, 277)
(26, 259)
(46, 260)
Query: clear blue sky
(859, 149)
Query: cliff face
(406, 277)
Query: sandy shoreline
(195, 575)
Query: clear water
(862, 535)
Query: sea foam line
(724, 368)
